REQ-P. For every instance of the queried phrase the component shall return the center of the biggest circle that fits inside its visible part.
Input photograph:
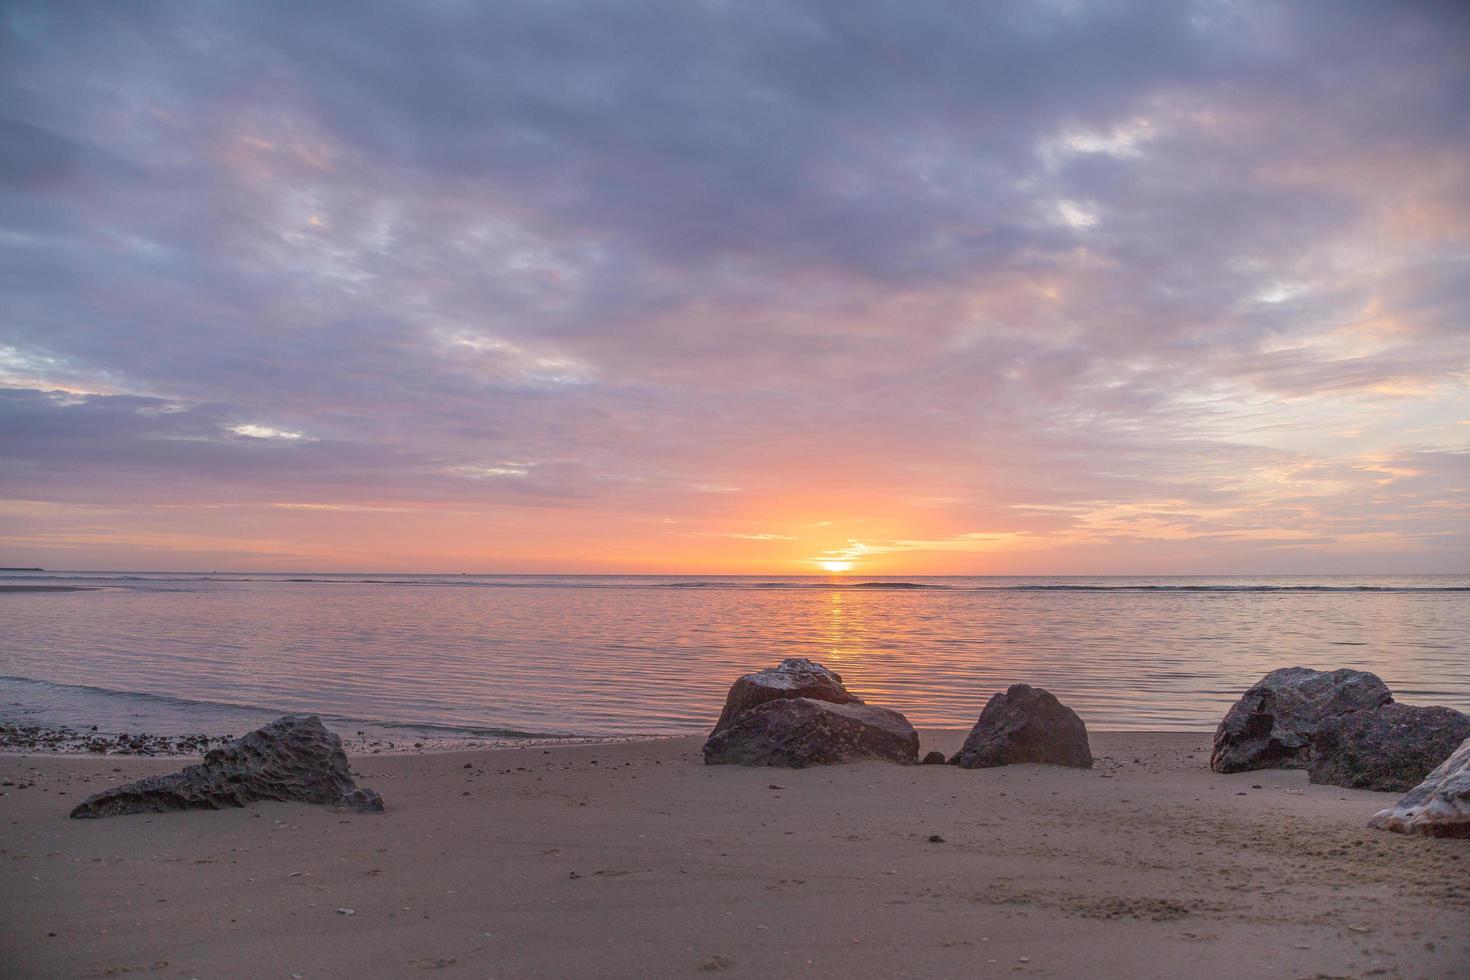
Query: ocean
(452, 657)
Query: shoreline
(636, 859)
(45, 741)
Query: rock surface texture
(1025, 724)
(1272, 725)
(1390, 749)
(293, 758)
(795, 677)
(800, 732)
(1437, 807)
(363, 800)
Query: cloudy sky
(1039, 287)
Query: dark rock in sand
(795, 677)
(363, 800)
(800, 732)
(1437, 807)
(1272, 725)
(1389, 749)
(293, 758)
(1025, 724)
(935, 758)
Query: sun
(836, 567)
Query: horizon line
(844, 575)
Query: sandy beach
(635, 859)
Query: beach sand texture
(634, 859)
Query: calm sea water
(477, 655)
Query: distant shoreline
(45, 588)
(17, 738)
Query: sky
(757, 287)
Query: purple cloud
(1183, 281)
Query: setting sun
(866, 426)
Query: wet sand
(634, 859)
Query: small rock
(1025, 724)
(362, 800)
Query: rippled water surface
(619, 655)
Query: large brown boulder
(1025, 724)
(795, 677)
(1273, 723)
(293, 758)
(800, 732)
(1389, 749)
(1437, 807)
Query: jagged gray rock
(800, 732)
(794, 677)
(1272, 725)
(1437, 807)
(293, 758)
(1025, 724)
(1389, 749)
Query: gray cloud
(1001, 254)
